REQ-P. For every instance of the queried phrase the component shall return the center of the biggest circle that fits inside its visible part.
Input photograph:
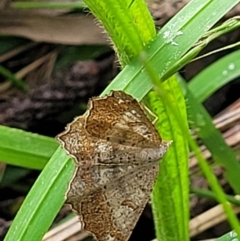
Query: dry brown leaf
(80, 29)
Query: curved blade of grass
(215, 76)
(44, 200)
(170, 194)
(25, 149)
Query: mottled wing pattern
(76, 142)
(98, 160)
(111, 212)
(88, 152)
(116, 149)
(119, 118)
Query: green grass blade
(214, 141)
(221, 153)
(11, 77)
(214, 33)
(170, 194)
(43, 201)
(215, 76)
(128, 23)
(48, 5)
(231, 236)
(192, 21)
(25, 149)
(195, 109)
(211, 195)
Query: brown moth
(116, 150)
